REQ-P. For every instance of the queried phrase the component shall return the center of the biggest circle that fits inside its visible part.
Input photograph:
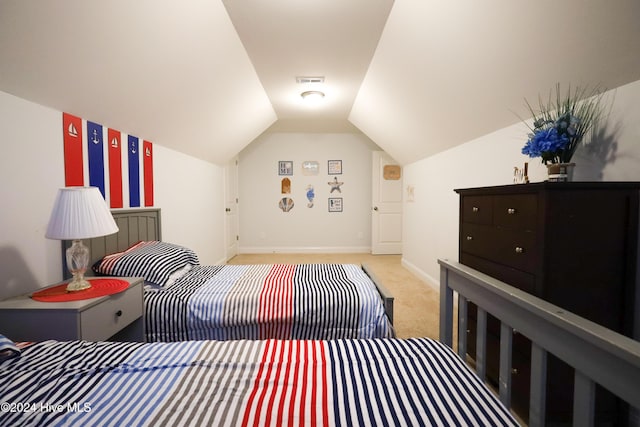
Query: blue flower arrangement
(560, 125)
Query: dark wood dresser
(573, 244)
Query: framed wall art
(391, 172)
(285, 186)
(285, 167)
(335, 167)
(335, 204)
(310, 168)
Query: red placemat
(99, 287)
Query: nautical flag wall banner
(133, 150)
(94, 156)
(72, 139)
(95, 152)
(148, 173)
(115, 168)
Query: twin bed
(377, 381)
(229, 383)
(188, 301)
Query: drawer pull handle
(511, 211)
(475, 209)
(514, 371)
(118, 313)
(469, 237)
(519, 250)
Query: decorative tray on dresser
(574, 244)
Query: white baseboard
(433, 283)
(221, 261)
(306, 250)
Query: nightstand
(116, 317)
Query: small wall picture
(335, 204)
(310, 168)
(410, 193)
(311, 194)
(335, 185)
(391, 172)
(285, 186)
(286, 204)
(285, 167)
(335, 167)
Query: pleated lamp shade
(80, 213)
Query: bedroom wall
(431, 220)
(264, 227)
(189, 192)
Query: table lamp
(79, 213)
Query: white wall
(431, 220)
(189, 192)
(264, 227)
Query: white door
(386, 219)
(231, 208)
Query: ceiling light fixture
(312, 95)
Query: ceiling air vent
(300, 79)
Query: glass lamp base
(78, 284)
(77, 260)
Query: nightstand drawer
(101, 321)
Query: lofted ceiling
(333, 39)
(207, 77)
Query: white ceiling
(334, 39)
(207, 77)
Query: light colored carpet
(416, 304)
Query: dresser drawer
(516, 211)
(513, 248)
(101, 321)
(477, 210)
(516, 248)
(477, 239)
(514, 277)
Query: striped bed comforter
(281, 301)
(229, 383)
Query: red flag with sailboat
(147, 164)
(72, 139)
(115, 168)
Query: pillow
(155, 261)
(8, 348)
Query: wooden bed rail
(598, 354)
(387, 297)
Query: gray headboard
(134, 225)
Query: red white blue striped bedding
(281, 301)
(229, 383)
